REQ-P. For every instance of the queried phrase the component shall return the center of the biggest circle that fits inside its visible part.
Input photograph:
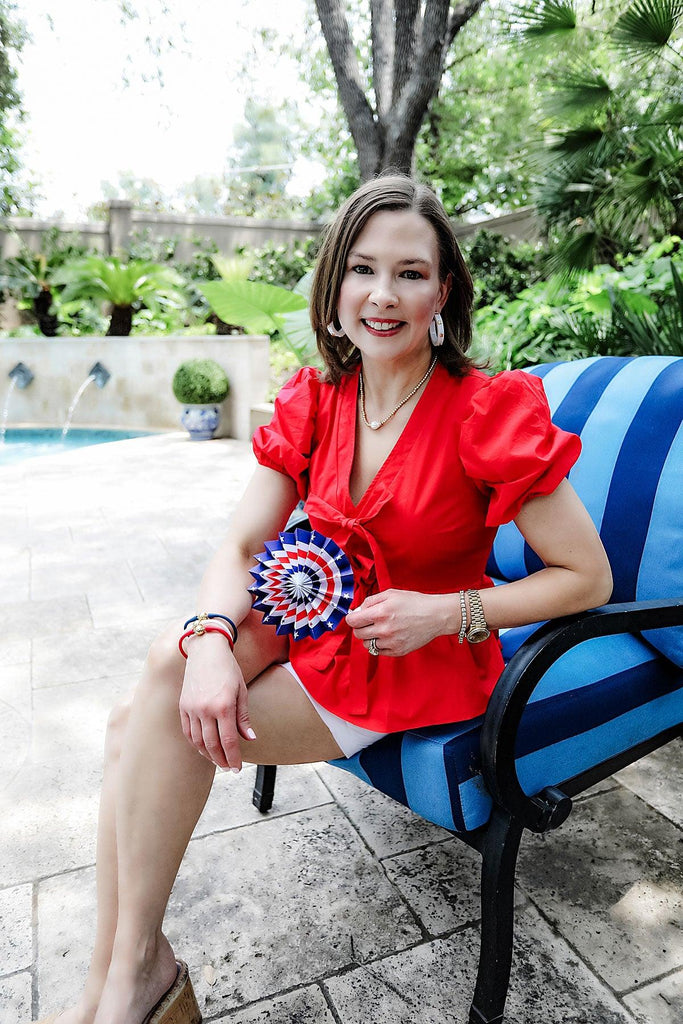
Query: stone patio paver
(340, 906)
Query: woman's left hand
(400, 621)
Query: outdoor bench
(580, 697)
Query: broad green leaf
(235, 268)
(638, 302)
(297, 332)
(303, 285)
(250, 304)
(598, 303)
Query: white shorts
(349, 738)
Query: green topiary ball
(200, 382)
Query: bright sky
(85, 125)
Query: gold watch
(478, 630)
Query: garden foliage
(635, 308)
(126, 286)
(610, 150)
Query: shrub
(633, 309)
(200, 382)
(282, 264)
(500, 268)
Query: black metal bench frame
(513, 811)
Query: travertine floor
(338, 906)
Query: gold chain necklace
(376, 424)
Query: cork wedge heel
(178, 1005)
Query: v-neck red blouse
(473, 451)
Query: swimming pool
(28, 442)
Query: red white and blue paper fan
(304, 584)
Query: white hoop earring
(336, 332)
(436, 331)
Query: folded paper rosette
(303, 584)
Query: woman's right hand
(213, 703)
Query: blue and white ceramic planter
(201, 421)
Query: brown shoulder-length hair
(389, 192)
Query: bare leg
(150, 806)
(163, 785)
(107, 890)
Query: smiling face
(391, 287)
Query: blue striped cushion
(577, 718)
(629, 413)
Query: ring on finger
(373, 646)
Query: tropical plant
(26, 276)
(612, 158)
(125, 287)
(635, 308)
(200, 382)
(265, 309)
(30, 277)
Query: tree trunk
(408, 57)
(121, 322)
(47, 321)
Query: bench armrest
(520, 678)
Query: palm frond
(575, 335)
(651, 333)
(678, 288)
(647, 184)
(643, 335)
(673, 114)
(581, 88)
(548, 18)
(575, 254)
(566, 194)
(584, 139)
(647, 26)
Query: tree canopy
(12, 38)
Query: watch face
(477, 634)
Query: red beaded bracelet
(206, 629)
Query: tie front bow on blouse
(370, 573)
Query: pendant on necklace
(374, 425)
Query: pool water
(28, 442)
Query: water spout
(19, 377)
(99, 375)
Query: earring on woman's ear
(336, 332)
(436, 331)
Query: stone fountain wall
(138, 394)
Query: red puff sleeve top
(473, 451)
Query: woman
(408, 458)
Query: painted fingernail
(251, 734)
(236, 771)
